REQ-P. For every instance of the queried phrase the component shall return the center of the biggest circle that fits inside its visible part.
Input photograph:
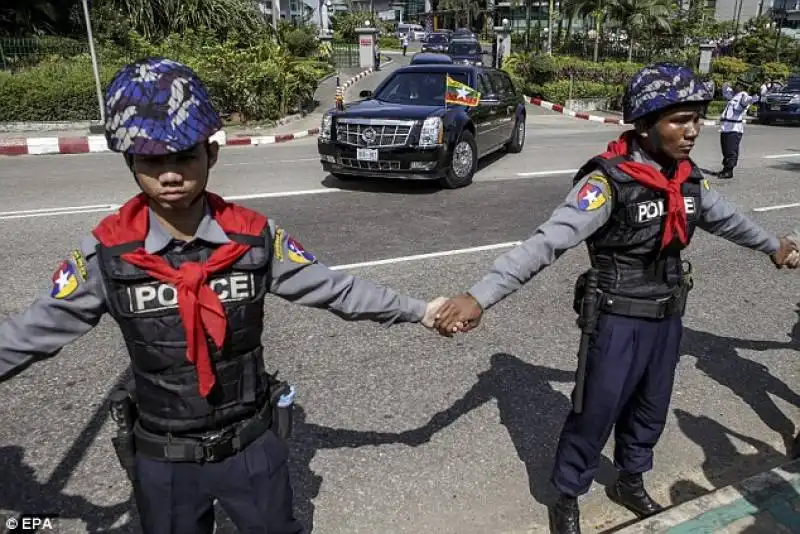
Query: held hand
(461, 313)
(787, 254)
(431, 310)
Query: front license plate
(775, 107)
(367, 154)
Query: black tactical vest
(166, 381)
(627, 249)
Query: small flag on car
(460, 93)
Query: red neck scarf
(200, 308)
(676, 222)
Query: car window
(465, 49)
(485, 87)
(417, 88)
(502, 89)
(436, 38)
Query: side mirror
(365, 93)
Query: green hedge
(247, 82)
(389, 43)
(59, 90)
(549, 77)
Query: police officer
(637, 206)
(731, 126)
(185, 273)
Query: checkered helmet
(660, 86)
(157, 106)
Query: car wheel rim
(462, 159)
(521, 133)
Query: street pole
(94, 62)
(550, 8)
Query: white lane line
(73, 210)
(280, 194)
(778, 207)
(782, 156)
(297, 160)
(547, 173)
(418, 257)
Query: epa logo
(31, 523)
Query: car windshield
(465, 49)
(417, 88)
(437, 38)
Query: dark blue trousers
(629, 376)
(251, 486)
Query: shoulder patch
(65, 280)
(591, 196)
(80, 264)
(297, 253)
(278, 244)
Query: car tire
(461, 172)
(517, 141)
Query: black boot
(725, 174)
(565, 517)
(628, 491)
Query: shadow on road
(751, 381)
(530, 408)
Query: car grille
(373, 133)
(387, 165)
(778, 99)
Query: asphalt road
(499, 395)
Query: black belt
(210, 447)
(640, 308)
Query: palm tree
(635, 15)
(465, 10)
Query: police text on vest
(156, 296)
(655, 209)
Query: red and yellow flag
(461, 94)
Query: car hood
(467, 57)
(377, 109)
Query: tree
(637, 15)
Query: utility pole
(95, 68)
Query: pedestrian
(184, 273)
(636, 206)
(404, 42)
(731, 126)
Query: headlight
(479, 63)
(325, 128)
(795, 99)
(432, 132)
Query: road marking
(781, 156)
(778, 207)
(298, 160)
(74, 210)
(429, 255)
(547, 173)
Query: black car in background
(404, 129)
(781, 105)
(436, 42)
(467, 51)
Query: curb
(594, 118)
(35, 146)
(733, 502)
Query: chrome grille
(778, 99)
(371, 165)
(373, 133)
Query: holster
(685, 285)
(123, 412)
(282, 412)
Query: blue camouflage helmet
(157, 106)
(657, 87)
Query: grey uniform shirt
(78, 300)
(576, 219)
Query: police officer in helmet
(636, 206)
(185, 273)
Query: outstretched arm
(298, 277)
(69, 309)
